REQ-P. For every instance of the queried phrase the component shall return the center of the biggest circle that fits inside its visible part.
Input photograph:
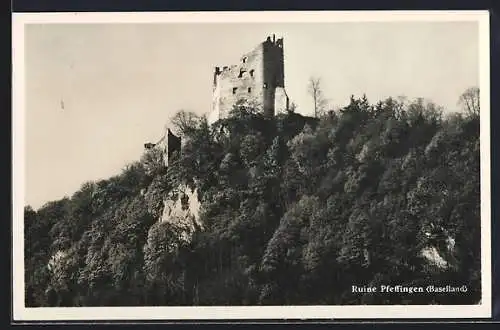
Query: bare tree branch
(184, 121)
(315, 90)
(469, 100)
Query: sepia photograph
(313, 165)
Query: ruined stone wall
(168, 145)
(273, 73)
(253, 80)
(281, 101)
(173, 144)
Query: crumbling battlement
(259, 80)
(168, 144)
(256, 79)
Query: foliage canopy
(295, 210)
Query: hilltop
(286, 210)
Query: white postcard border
(21, 313)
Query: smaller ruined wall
(169, 144)
(173, 145)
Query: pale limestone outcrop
(441, 259)
(432, 255)
(56, 259)
(182, 205)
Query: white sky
(121, 82)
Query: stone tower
(258, 79)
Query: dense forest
(294, 210)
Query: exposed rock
(450, 244)
(56, 259)
(182, 205)
(433, 257)
(442, 259)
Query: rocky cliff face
(182, 206)
(441, 258)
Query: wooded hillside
(295, 210)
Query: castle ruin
(258, 79)
(168, 144)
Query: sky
(120, 83)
